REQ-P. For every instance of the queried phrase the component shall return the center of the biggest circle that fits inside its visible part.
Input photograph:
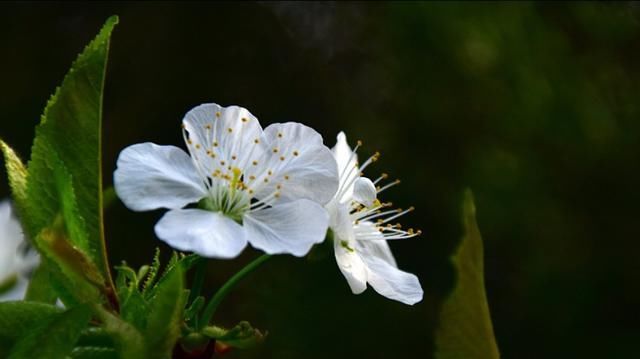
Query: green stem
(210, 310)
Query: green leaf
(128, 341)
(40, 288)
(67, 147)
(17, 319)
(465, 330)
(94, 353)
(54, 338)
(242, 336)
(165, 314)
(17, 174)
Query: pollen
(256, 141)
(222, 163)
(218, 114)
(197, 146)
(229, 129)
(281, 158)
(275, 150)
(234, 157)
(296, 153)
(286, 177)
(269, 172)
(215, 143)
(266, 180)
(190, 142)
(255, 163)
(208, 126)
(279, 187)
(244, 119)
(277, 195)
(213, 155)
(279, 134)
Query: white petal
(223, 136)
(209, 234)
(377, 248)
(364, 191)
(387, 279)
(11, 238)
(347, 162)
(288, 227)
(350, 264)
(17, 292)
(301, 164)
(151, 176)
(340, 220)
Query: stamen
(389, 185)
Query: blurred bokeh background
(535, 106)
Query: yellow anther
(295, 153)
(218, 114)
(189, 141)
(234, 157)
(250, 191)
(275, 150)
(266, 180)
(215, 143)
(208, 126)
(279, 134)
(376, 203)
(244, 119)
(213, 155)
(279, 186)
(197, 146)
(277, 195)
(384, 175)
(183, 126)
(359, 143)
(411, 208)
(269, 173)
(252, 177)
(281, 158)
(286, 177)
(255, 163)
(229, 129)
(222, 163)
(256, 141)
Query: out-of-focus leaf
(40, 288)
(465, 330)
(54, 338)
(93, 353)
(65, 166)
(17, 319)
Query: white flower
(16, 259)
(361, 228)
(266, 187)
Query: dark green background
(536, 107)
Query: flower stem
(213, 304)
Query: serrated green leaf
(465, 330)
(17, 173)
(54, 338)
(69, 138)
(165, 315)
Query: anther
(208, 126)
(234, 157)
(279, 134)
(295, 153)
(255, 163)
(197, 146)
(281, 158)
(215, 143)
(275, 150)
(229, 129)
(222, 163)
(218, 114)
(286, 177)
(244, 119)
(256, 141)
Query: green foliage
(70, 130)
(465, 330)
(54, 338)
(154, 303)
(241, 336)
(40, 288)
(17, 319)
